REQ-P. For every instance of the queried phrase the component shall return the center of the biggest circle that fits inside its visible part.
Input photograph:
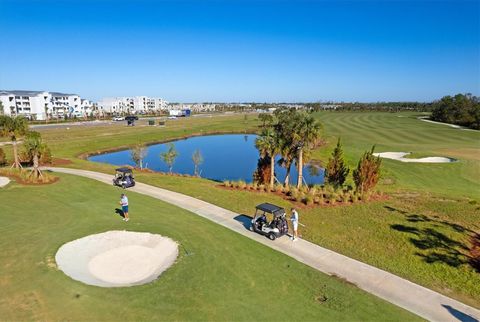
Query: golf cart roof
(124, 170)
(272, 209)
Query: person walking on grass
(124, 204)
(294, 219)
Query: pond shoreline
(86, 155)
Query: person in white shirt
(124, 203)
(294, 219)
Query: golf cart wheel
(272, 236)
(124, 187)
(251, 227)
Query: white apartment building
(40, 104)
(132, 105)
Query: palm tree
(169, 156)
(35, 147)
(13, 127)
(305, 137)
(268, 145)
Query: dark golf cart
(273, 228)
(131, 120)
(124, 178)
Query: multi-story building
(131, 105)
(41, 104)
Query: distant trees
(13, 127)
(138, 153)
(461, 109)
(169, 156)
(197, 159)
(337, 171)
(367, 173)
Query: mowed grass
(431, 249)
(219, 275)
(403, 132)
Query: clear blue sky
(243, 50)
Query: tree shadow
(435, 246)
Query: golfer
(294, 219)
(124, 204)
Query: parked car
(124, 178)
(118, 118)
(273, 226)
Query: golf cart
(131, 120)
(274, 228)
(124, 178)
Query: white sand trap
(400, 156)
(4, 181)
(117, 258)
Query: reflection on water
(226, 157)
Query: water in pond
(226, 157)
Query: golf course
(423, 229)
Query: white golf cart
(270, 221)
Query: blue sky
(267, 51)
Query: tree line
(461, 109)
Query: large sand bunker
(4, 181)
(117, 258)
(400, 156)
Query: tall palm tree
(306, 136)
(35, 147)
(268, 145)
(13, 127)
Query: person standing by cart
(124, 204)
(294, 220)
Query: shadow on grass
(435, 246)
(119, 212)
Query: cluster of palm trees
(15, 127)
(291, 134)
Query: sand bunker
(117, 258)
(400, 156)
(4, 181)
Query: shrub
(308, 199)
(367, 173)
(332, 198)
(226, 183)
(46, 157)
(241, 184)
(261, 187)
(345, 196)
(3, 158)
(278, 188)
(336, 172)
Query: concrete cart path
(410, 296)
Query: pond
(225, 157)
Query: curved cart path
(410, 296)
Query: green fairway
(219, 275)
(403, 132)
(422, 232)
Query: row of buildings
(40, 105)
